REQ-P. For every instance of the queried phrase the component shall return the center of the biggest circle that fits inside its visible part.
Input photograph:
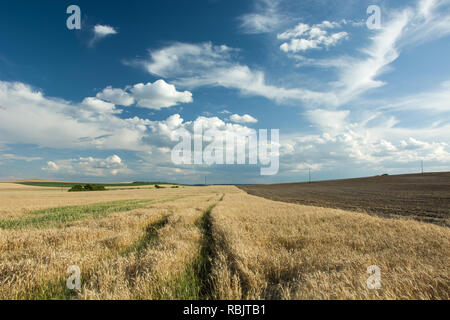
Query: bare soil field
(423, 197)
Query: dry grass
(33, 262)
(175, 247)
(267, 249)
(164, 270)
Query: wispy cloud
(266, 17)
(435, 101)
(360, 72)
(10, 156)
(205, 64)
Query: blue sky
(100, 103)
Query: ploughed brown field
(424, 197)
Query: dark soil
(423, 197)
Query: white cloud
(163, 131)
(89, 167)
(431, 20)
(258, 23)
(99, 106)
(409, 26)
(104, 30)
(100, 32)
(298, 31)
(432, 102)
(116, 96)
(343, 139)
(328, 25)
(155, 95)
(330, 121)
(304, 37)
(159, 95)
(265, 19)
(371, 141)
(51, 166)
(243, 119)
(197, 65)
(360, 76)
(27, 116)
(9, 156)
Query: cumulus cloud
(159, 95)
(343, 139)
(91, 125)
(28, 116)
(164, 131)
(89, 167)
(99, 106)
(116, 96)
(371, 141)
(246, 118)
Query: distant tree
(94, 187)
(77, 188)
(87, 187)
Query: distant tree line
(87, 187)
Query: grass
(273, 250)
(54, 290)
(166, 262)
(203, 263)
(150, 237)
(57, 289)
(194, 282)
(60, 216)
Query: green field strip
(195, 281)
(58, 217)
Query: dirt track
(422, 197)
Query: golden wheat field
(214, 242)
